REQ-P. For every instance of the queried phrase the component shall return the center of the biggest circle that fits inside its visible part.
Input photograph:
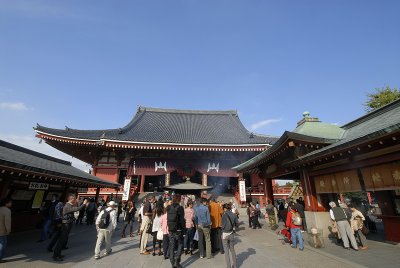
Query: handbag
(160, 234)
(365, 230)
(196, 236)
(149, 229)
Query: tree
(380, 97)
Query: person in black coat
(129, 217)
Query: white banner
(127, 188)
(242, 191)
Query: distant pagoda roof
(170, 126)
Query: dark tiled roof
(173, 126)
(17, 157)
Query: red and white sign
(127, 188)
(242, 191)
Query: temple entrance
(197, 178)
(222, 185)
(175, 178)
(154, 183)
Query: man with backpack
(106, 223)
(294, 223)
(57, 223)
(48, 213)
(68, 220)
(176, 225)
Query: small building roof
(320, 130)
(372, 125)
(20, 158)
(170, 126)
(286, 136)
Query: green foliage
(380, 97)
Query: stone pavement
(254, 248)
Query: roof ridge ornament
(213, 166)
(160, 166)
(308, 118)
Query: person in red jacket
(293, 222)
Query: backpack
(172, 218)
(58, 212)
(104, 220)
(270, 209)
(296, 219)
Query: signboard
(38, 186)
(37, 201)
(242, 191)
(127, 188)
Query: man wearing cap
(344, 228)
(106, 223)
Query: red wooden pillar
(269, 190)
(310, 195)
(141, 190)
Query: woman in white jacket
(357, 223)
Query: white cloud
(14, 106)
(264, 123)
(32, 143)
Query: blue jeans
(175, 239)
(3, 245)
(296, 234)
(46, 229)
(188, 239)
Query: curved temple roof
(151, 125)
(13, 156)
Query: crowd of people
(181, 225)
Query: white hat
(112, 203)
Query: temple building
(159, 147)
(360, 156)
(30, 179)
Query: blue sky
(89, 64)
